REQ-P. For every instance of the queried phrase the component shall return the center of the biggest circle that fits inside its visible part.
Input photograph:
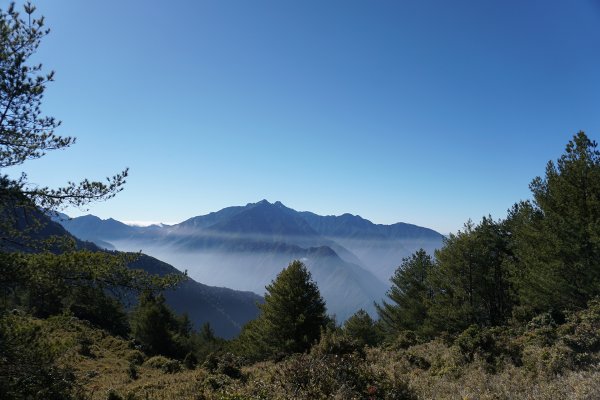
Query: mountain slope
(380, 248)
(225, 309)
(244, 247)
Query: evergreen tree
(471, 282)
(409, 294)
(361, 327)
(157, 328)
(557, 235)
(26, 134)
(291, 318)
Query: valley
(245, 247)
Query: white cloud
(144, 223)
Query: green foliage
(27, 365)
(165, 364)
(158, 329)
(309, 377)
(227, 364)
(132, 371)
(409, 295)
(190, 360)
(403, 340)
(84, 283)
(25, 134)
(470, 282)
(476, 340)
(558, 246)
(361, 327)
(291, 318)
(542, 258)
(337, 342)
(204, 343)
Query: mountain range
(245, 247)
(226, 310)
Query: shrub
(166, 364)
(136, 357)
(334, 342)
(27, 366)
(476, 340)
(190, 361)
(404, 340)
(132, 371)
(225, 363)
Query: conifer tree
(155, 326)
(26, 134)
(361, 327)
(291, 318)
(408, 295)
(471, 283)
(558, 239)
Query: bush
(348, 377)
(166, 364)
(404, 340)
(132, 371)
(190, 361)
(334, 342)
(136, 357)
(225, 363)
(476, 340)
(27, 366)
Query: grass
(540, 361)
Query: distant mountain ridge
(226, 310)
(244, 247)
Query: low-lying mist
(345, 287)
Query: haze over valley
(245, 247)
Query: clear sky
(427, 112)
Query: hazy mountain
(244, 247)
(379, 247)
(225, 309)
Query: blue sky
(428, 112)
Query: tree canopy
(291, 318)
(27, 134)
(544, 257)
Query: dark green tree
(558, 233)
(27, 369)
(33, 276)
(361, 327)
(291, 318)
(471, 281)
(26, 134)
(158, 329)
(409, 295)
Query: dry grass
(434, 370)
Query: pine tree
(155, 326)
(26, 134)
(291, 318)
(407, 309)
(471, 282)
(559, 247)
(361, 327)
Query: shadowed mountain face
(245, 247)
(225, 309)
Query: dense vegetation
(505, 309)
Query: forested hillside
(507, 308)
